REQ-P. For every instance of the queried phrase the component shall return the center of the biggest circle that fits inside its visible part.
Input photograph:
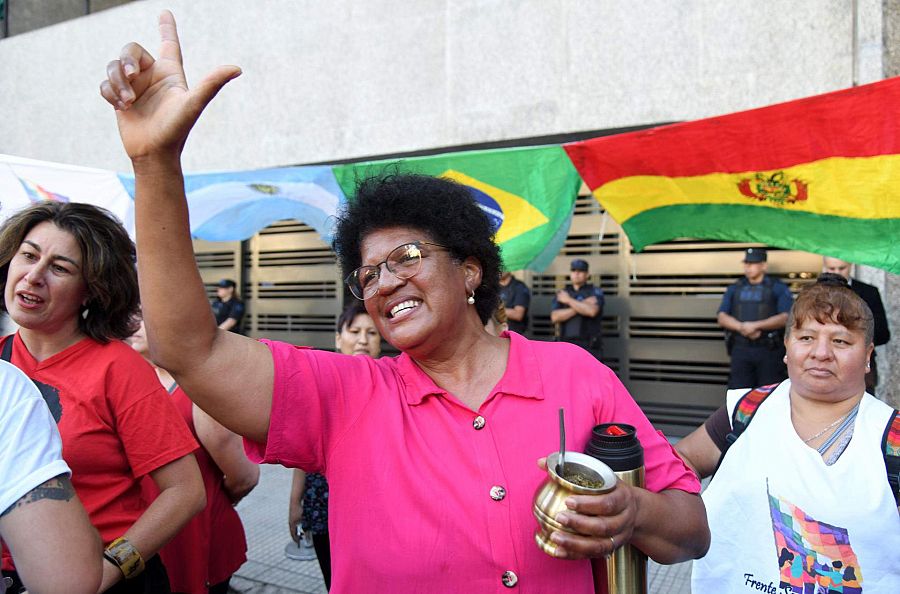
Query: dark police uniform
(514, 294)
(233, 308)
(756, 362)
(581, 330)
(872, 297)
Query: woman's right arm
(229, 376)
(702, 449)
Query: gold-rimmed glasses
(404, 262)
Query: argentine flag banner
(235, 205)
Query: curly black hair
(108, 263)
(443, 209)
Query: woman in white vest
(801, 502)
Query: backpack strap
(744, 410)
(890, 446)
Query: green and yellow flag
(528, 193)
(820, 174)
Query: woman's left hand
(669, 526)
(603, 522)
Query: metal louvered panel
(681, 284)
(678, 371)
(215, 259)
(696, 284)
(591, 245)
(673, 418)
(587, 205)
(287, 226)
(316, 289)
(296, 257)
(649, 327)
(296, 323)
(296, 290)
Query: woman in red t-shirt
(69, 282)
(212, 546)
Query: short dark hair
(107, 267)
(443, 209)
(349, 314)
(831, 301)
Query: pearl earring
(471, 299)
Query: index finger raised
(169, 47)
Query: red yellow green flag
(820, 174)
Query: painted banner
(812, 554)
(235, 205)
(24, 182)
(820, 174)
(528, 193)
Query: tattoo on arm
(58, 488)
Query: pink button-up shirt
(411, 474)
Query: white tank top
(784, 522)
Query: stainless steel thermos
(617, 446)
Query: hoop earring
(85, 313)
(471, 299)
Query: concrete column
(887, 283)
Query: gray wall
(889, 284)
(334, 80)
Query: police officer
(516, 298)
(228, 307)
(577, 310)
(753, 313)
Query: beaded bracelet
(123, 555)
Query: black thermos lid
(617, 446)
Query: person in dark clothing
(753, 313)
(872, 297)
(577, 310)
(228, 307)
(516, 298)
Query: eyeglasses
(403, 262)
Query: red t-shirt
(116, 422)
(212, 546)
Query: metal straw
(560, 467)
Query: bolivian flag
(528, 193)
(820, 174)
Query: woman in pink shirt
(430, 456)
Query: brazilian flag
(528, 193)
